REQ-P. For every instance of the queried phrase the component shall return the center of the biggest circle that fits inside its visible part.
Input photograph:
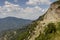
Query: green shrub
(22, 35)
(49, 32)
(58, 26)
(51, 27)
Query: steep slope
(49, 22)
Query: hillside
(46, 27)
(13, 23)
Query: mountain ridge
(13, 22)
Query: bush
(51, 27)
(49, 32)
(22, 35)
(58, 26)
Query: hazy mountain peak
(13, 22)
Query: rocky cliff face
(51, 18)
(53, 13)
(47, 27)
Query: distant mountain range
(12, 23)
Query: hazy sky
(26, 9)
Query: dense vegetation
(50, 33)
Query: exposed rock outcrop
(51, 16)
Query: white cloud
(38, 2)
(14, 10)
(33, 9)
